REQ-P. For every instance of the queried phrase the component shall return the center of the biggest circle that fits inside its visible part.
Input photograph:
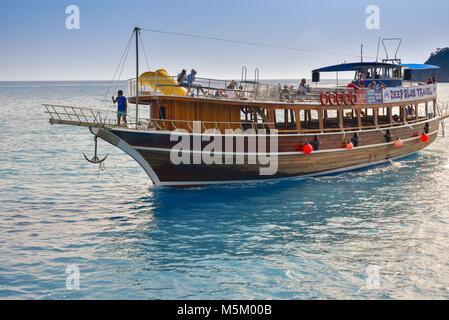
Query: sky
(36, 45)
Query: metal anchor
(95, 159)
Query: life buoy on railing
(353, 98)
(332, 99)
(347, 98)
(339, 99)
(324, 98)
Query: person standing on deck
(122, 106)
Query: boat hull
(154, 152)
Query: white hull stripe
(275, 153)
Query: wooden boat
(219, 133)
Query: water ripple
(296, 239)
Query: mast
(136, 30)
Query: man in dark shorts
(122, 106)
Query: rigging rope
(121, 61)
(144, 53)
(258, 44)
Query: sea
(72, 230)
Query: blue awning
(417, 66)
(355, 66)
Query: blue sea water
(299, 239)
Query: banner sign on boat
(410, 93)
(361, 96)
(374, 96)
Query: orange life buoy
(347, 98)
(324, 98)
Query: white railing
(221, 89)
(75, 115)
(90, 117)
(236, 90)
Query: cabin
(222, 104)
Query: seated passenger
(303, 87)
(242, 94)
(232, 85)
(395, 118)
(429, 81)
(182, 78)
(372, 85)
(381, 85)
(376, 75)
(285, 94)
(191, 83)
(361, 82)
(221, 94)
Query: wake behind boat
(218, 131)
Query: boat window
(396, 114)
(382, 116)
(349, 118)
(330, 119)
